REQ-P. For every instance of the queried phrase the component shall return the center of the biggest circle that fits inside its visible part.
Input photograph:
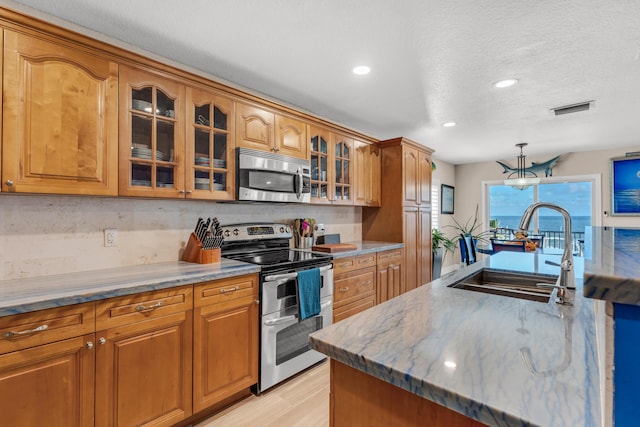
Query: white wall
(42, 235)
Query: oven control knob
(287, 229)
(227, 233)
(282, 229)
(236, 232)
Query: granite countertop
(25, 295)
(364, 247)
(508, 361)
(612, 265)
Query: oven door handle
(276, 277)
(285, 319)
(279, 320)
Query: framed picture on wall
(625, 185)
(446, 199)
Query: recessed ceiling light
(450, 364)
(505, 83)
(361, 70)
(449, 124)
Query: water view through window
(506, 205)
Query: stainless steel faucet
(566, 279)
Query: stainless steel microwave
(270, 177)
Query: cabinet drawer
(341, 265)
(394, 255)
(138, 307)
(347, 310)
(223, 290)
(45, 326)
(354, 285)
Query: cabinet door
(361, 172)
(143, 372)
(424, 247)
(291, 137)
(411, 248)
(343, 172)
(321, 172)
(390, 276)
(225, 350)
(151, 135)
(410, 166)
(424, 179)
(60, 124)
(210, 146)
(375, 175)
(254, 128)
(50, 385)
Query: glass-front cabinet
(151, 135)
(343, 173)
(319, 149)
(210, 144)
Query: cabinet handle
(189, 191)
(181, 191)
(345, 264)
(345, 289)
(89, 345)
(11, 334)
(362, 261)
(392, 266)
(9, 183)
(368, 282)
(257, 301)
(149, 307)
(102, 341)
(225, 291)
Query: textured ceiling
(432, 61)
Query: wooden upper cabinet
(367, 174)
(151, 135)
(410, 171)
(261, 129)
(424, 178)
(320, 152)
(254, 128)
(210, 144)
(291, 137)
(343, 173)
(60, 123)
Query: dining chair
(508, 245)
(467, 248)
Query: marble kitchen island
(496, 360)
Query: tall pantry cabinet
(405, 212)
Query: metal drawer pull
(345, 289)
(10, 334)
(368, 282)
(89, 345)
(361, 261)
(225, 291)
(149, 307)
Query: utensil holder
(304, 242)
(193, 252)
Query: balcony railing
(552, 238)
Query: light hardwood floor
(300, 402)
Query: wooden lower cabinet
(354, 287)
(390, 275)
(225, 339)
(51, 384)
(144, 363)
(358, 399)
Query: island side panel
(358, 399)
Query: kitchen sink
(508, 284)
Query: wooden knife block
(193, 252)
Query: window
(578, 195)
(435, 204)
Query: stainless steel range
(284, 340)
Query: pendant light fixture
(523, 178)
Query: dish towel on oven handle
(308, 283)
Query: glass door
(320, 142)
(150, 136)
(210, 146)
(343, 157)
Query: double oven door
(285, 348)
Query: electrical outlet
(110, 237)
(319, 229)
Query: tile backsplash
(41, 235)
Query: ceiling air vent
(574, 108)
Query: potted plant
(471, 227)
(440, 245)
